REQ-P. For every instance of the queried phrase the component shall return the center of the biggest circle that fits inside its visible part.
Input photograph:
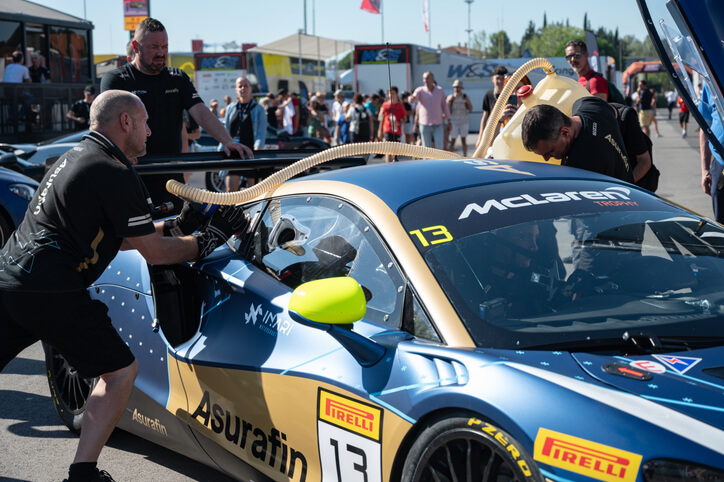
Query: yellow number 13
(439, 233)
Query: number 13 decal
(432, 235)
(349, 435)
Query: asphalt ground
(35, 446)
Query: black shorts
(73, 323)
(389, 136)
(684, 117)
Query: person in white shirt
(337, 113)
(460, 108)
(16, 72)
(671, 101)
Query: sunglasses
(575, 55)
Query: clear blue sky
(263, 21)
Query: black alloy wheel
(69, 390)
(467, 449)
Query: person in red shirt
(392, 117)
(683, 115)
(577, 57)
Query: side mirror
(328, 303)
(334, 301)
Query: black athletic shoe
(103, 476)
(99, 476)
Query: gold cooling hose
(510, 86)
(185, 191)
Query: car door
(286, 398)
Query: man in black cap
(80, 112)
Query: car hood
(9, 176)
(690, 382)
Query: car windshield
(538, 264)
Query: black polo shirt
(88, 202)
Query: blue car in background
(16, 191)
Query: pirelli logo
(350, 414)
(585, 457)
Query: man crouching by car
(90, 205)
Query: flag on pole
(372, 6)
(426, 14)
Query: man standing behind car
(79, 113)
(246, 122)
(166, 92)
(577, 57)
(645, 103)
(490, 97)
(92, 204)
(432, 112)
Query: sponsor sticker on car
(349, 434)
(584, 457)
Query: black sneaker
(103, 476)
(99, 476)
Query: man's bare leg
(104, 409)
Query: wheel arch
(499, 420)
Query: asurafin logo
(266, 445)
(153, 424)
(584, 457)
(350, 414)
(171, 91)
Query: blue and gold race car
(438, 320)
(523, 321)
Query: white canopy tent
(306, 46)
(309, 47)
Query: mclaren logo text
(584, 457)
(617, 195)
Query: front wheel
(69, 390)
(464, 448)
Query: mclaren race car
(439, 320)
(505, 321)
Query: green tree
(499, 45)
(479, 43)
(345, 62)
(529, 33)
(551, 41)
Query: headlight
(23, 191)
(662, 470)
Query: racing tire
(69, 391)
(465, 448)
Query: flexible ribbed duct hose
(187, 192)
(497, 111)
